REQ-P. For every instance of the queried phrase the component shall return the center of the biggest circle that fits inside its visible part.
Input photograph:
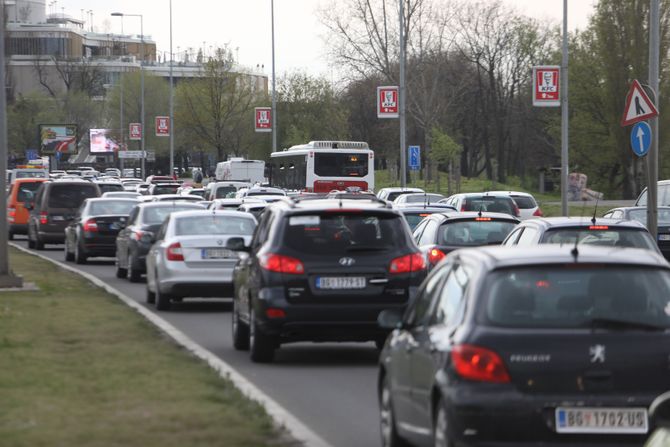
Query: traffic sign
(162, 126)
(546, 86)
(130, 154)
(414, 158)
(263, 119)
(387, 102)
(135, 131)
(640, 138)
(639, 106)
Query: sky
(245, 26)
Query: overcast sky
(245, 25)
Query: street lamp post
(143, 136)
(274, 85)
(171, 102)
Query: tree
(446, 151)
(57, 74)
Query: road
(329, 387)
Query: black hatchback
(322, 270)
(532, 346)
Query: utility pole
(171, 102)
(564, 115)
(274, 84)
(401, 98)
(652, 158)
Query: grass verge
(78, 368)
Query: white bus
(324, 166)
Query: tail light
(142, 236)
(435, 255)
(538, 212)
(174, 252)
(44, 218)
(11, 214)
(91, 226)
(282, 264)
(517, 211)
(275, 313)
(479, 364)
(414, 262)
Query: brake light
(282, 264)
(435, 255)
(599, 227)
(11, 214)
(414, 262)
(174, 252)
(517, 211)
(479, 364)
(538, 212)
(424, 215)
(44, 218)
(91, 226)
(482, 219)
(275, 313)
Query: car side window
(617, 214)
(161, 232)
(528, 237)
(262, 230)
(642, 200)
(663, 196)
(428, 236)
(133, 216)
(607, 215)
(449, 304)
(418, 312)
(418, 230)
(513, 237)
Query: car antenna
(593, 219)
(480, 210)
(425, 200)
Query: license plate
(217, 253)
(664, 237)
(335, 283)
(601, 420)
(57, 218)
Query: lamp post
(171, 102)
(274, 85)
(142, 140)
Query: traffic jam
(493, 324)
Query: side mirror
(390, 319)
(659, 411)
(237, 244)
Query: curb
(281, 416)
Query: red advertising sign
(135, 131)
(546, 86)
(263, 119)
(387, 102)
(162, 126)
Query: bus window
(340, 165)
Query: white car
(528, 207)
(220, 190)
(189, 258)
(416, 198)
(391, 194)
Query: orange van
(20, 191)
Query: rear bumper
(201, 283)
(100, 246)
(18, 228)
(52, 237)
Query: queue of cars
(539, 341)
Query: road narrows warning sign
(639, 106)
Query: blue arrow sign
(414, 158)
(640, 138)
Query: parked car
(491, 202)
(321, 270)
(418, 199)
(391, 194)
(20, 193)
(190, 258)
(54, 206)
(415, 214)
(135, 240)
(528, 207)
(441, 233)
(200, 192)
(533, 346)
(113, 172)
(639, 213)
(142, 188)
(93, 231)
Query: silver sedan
(190, 258)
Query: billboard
(263, 119)
(546, 86)
(58, 138)
(162, 126)
(104, 141)
(387, 102)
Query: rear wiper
(613, 323)
(367, 248)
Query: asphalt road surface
(329, 387)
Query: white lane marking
(282, 417)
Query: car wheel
(39, 245)
(162, 299)
(31, 242)
(133, 274)
(79, 255)
(387, 424)
(120, 271)
(441, 427)
(240, 330)
(10, 236)
(151, 296)
(69, 256)
(262, 346)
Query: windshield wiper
(614, 324)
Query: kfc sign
(135, 131)
(263, 119)
(162, 126)
(546, 86)
(387, 102)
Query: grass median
(79, 368)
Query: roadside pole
(7, 279)
(564, 115)
(652, 158)
(274, 84)
(401, 98)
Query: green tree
(447, 152)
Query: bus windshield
(340, 165)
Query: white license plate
(57, 218)
(601, 420)
(217, 253)
(664, 237)
(335, 283)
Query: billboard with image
(58, 138)
(104, 141)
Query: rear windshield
(27, 190)
(223, 191)
(474, 233)
(413, 219)
(31, 174)
(524, 202)
(338, 234)
(165, 189)
(491, 204)
(202, 225)
(394, 195)
(611, 237)
(111, 207)
(423, 198)
(641, 216)
(109, 187)
(70, 196)
(575, 296)
(157, 214)
(199, 193)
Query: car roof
(633, 208)
(567, 222)
(317, 205)
(422, 209)
(494, 257)
(205, 213)
(168, 203)
(512, 193)
(467, 215)
(112, 199)
(400, 189)
(30, 180)
(484, 194)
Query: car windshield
(394, 195)
(577, 295)
(422, 198)
(339, 234)
(116, 207)
(600, 235)
(70, 196)
(27, 190)
(524, 202)
(472, 233)
(31, 174)
(641, 216)
(109, 187)
(165, 189)
(489, 203)
(223, 191)
(157, 214)
(213, 224)
(340, 165)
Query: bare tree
(69, 74)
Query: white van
(241, 170)
(220, 190)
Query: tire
(69, 257)
(120, 272)
(79, 256)
(151, 296)
(441, 427)
(133, 274)
(387, 424)
(261, 346)
(31, 242)
(240, 330)
(10, 236)
(39, 245)
(162, 299)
